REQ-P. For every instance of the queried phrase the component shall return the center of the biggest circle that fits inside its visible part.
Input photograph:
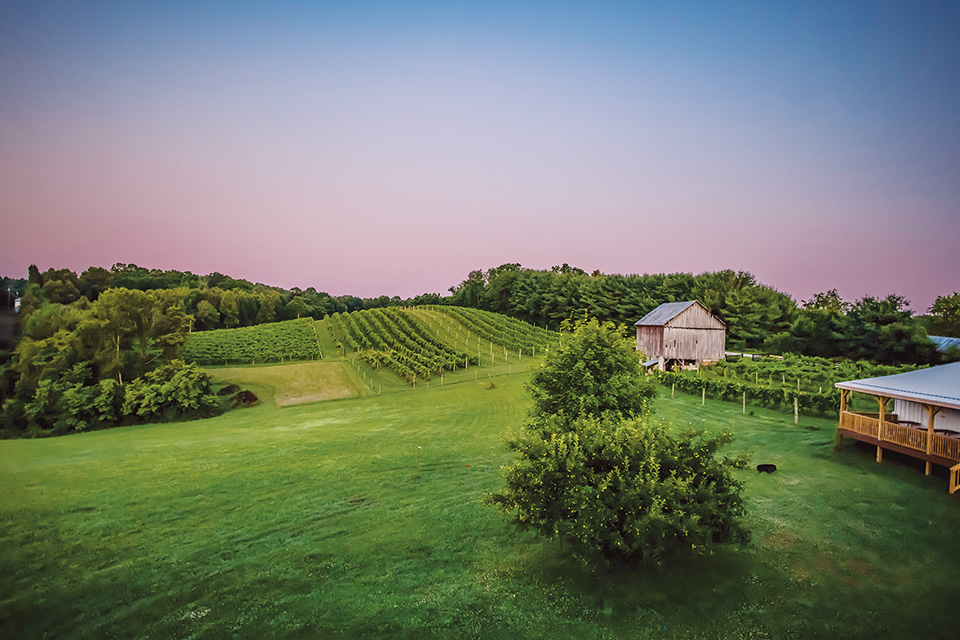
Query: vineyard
(414, 343)
(274, 342)
(509, 333)
(778, 383)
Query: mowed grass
(291, 384)
(361, 518)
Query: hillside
(368, 352)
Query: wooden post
(796, 411)
(843, 400)
(673, 389)
(932, 411)
(744, 403)
(703, 396)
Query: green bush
(590, 468)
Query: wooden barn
(681, 333)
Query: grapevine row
(502, 330)
(388, 338)
(273, 342)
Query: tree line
(215, 301)
(758, 317)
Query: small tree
(594, 470)
(594, 372)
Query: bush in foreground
(622, 489)
(594, 470)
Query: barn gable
(688, 315)
(683, 332)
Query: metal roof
(943, 343)
(939, 386)
(665, 313)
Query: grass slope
(292, 384)
(360, 518)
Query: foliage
(751, 311)
(174, 391)
(946, 316)
(590, 467)
(72, 402)
(289, 340)
(69, 366)
(398, 340)
(775, 383)
(595, 371)
(622, 489)
(515, 335)
(880, 330)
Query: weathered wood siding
(650, 341)
(696, 317)
(693, 344)
(694, 335)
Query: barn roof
(665, 313)
(939, 386)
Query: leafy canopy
(594, 371)
(592, 469)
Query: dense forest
(103, 347)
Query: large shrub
(622, 489)
(596, 471)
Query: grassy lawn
(360, 518)
(297, 383)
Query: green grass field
(360, 517)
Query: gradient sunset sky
(391, 147)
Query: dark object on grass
(227, 390)
(244, 399)
(766, 468)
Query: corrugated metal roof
(665, 313)
(943, 343)
(936, 385)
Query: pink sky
(377, 150)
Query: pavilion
(924, 423)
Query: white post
(744, 402)
(703, 396)
(796, 411)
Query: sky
(389, 148)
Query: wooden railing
(860, 423)
(909, 437)
(945, 447)
(905, 436)
(954, 478)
